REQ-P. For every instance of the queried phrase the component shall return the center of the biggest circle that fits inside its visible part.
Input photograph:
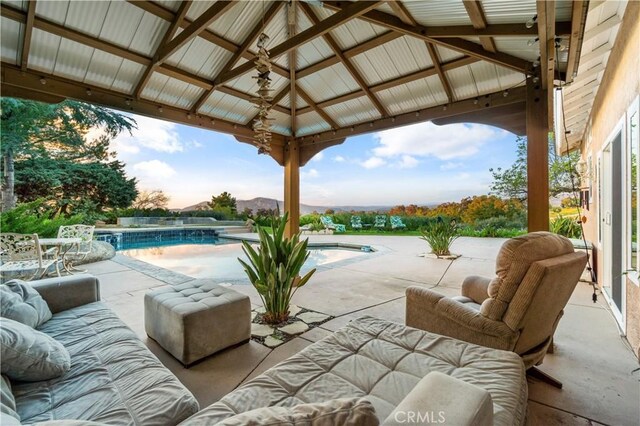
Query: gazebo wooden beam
(247, 97)
(322, 113)
(458, 44)
(546, 10)
(537, 155)
(479, 21)
(579, 11)
(168, 35)
(242, 50)
(28, 31)
(497, 99)
(402, 12)
(428, 72)
(162, 12)
(364, 86)
(194, 29)
(351, 11)
(31, 82)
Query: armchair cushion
(20, 302)
(431, 311)
(63, 293)
(476, 288)
(513, 262)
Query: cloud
(373, 162)
(450, 165)
(153, 170)
(427, 139)
(339, 159)
(407, 162)
(309, 174)
(318, 157)
(152, 134)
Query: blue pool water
(216, 257)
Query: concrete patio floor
(601, 376)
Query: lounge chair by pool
(328, 224)
(396, 223)
(356, 222)
(381, 221)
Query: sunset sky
(419, 164)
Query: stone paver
(294, 328)
(311, 317)
(261, 330)
(272, 342)
(294, 310)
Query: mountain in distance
(269, 203)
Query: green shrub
(37, 217)
(440, 234)
(566, 226)
(274, 269)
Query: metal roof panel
(281, 123)
(462, 83)
(72, 60)
(508, 11)
(43, 51)
(148, 35)
(89, 16)
(10, 40)
(236, 23)
(229, 108)
(102, 69)
(128, 76)
(352, 112)
(310, 123)
(438, 13)
(55, 11)
(328, 83)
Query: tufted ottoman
(196, 319)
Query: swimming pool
(220, 259)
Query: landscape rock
(311, 317)
(294, 310)
(295, 328)
(272, 342)
(261, 330)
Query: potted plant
(274, 269)
(440, 235)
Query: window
(633, 148)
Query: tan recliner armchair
(518, 310)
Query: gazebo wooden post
(537, 156)
(292, 186)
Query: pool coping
(313, 244)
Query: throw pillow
(8, 414)
(29, 355)
(21, 302)
(344, 412)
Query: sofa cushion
(382, 361)
(514, 259)
(343, 412)
(113, 379)
(8, 414)
(21, 302)
(30, 355)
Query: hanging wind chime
(261, 124)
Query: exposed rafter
(492, 100)
(351, 11)
(349, 53)
(579, 11)
(479, 21)
(421, 32)
(291, 25)
(30, 81)
(364, 86)
(322, 113)
(166, 14)
(242, 50)
(428, 72)
(26, 39)
(194, 29)
(406, 17)
(171, 31)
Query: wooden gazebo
(340, 68)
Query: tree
(74, 186)
(154, 199)
(223, 201)
(32, 130)
(512, 182)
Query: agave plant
(274, 269)
(440, 235)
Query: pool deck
(601, 375)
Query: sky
(420, 164)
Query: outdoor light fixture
(536, 63)
(531, 22)
(188, 116)
(127, 102)
(160, 109)
(535, 79)
(262, 125)
(43, 80)
(475, 101)
(444, 107)
(89, 92)
(505, 93)
(213, 122)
